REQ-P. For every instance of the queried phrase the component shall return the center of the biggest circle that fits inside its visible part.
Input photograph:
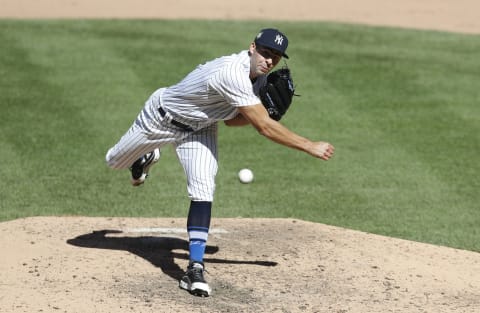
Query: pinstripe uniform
(210, 93)
(185, 115)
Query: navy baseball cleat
(141, 166)
(193, 280)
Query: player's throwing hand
(322, 150)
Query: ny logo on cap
(279, 39)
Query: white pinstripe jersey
(213, 91)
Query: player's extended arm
(257, 116)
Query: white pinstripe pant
(196, 151)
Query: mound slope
(71, 264)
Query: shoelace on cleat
(197, 274)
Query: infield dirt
(75, 264)
(78, 264)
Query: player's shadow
(159, 251)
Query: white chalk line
(170, 230)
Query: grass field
(400, 106)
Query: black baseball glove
(277, 93)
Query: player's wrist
(310, 147)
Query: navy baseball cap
(274, 39)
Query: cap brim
(270, 47)
(283, 54)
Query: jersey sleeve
(234, 85)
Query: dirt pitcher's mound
(84, 265)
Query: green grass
(400, 106)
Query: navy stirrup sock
(198, 224)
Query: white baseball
(245, 175)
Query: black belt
(174, 122)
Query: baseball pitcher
(239, 89)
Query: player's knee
(111, 161)
(202, 192)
